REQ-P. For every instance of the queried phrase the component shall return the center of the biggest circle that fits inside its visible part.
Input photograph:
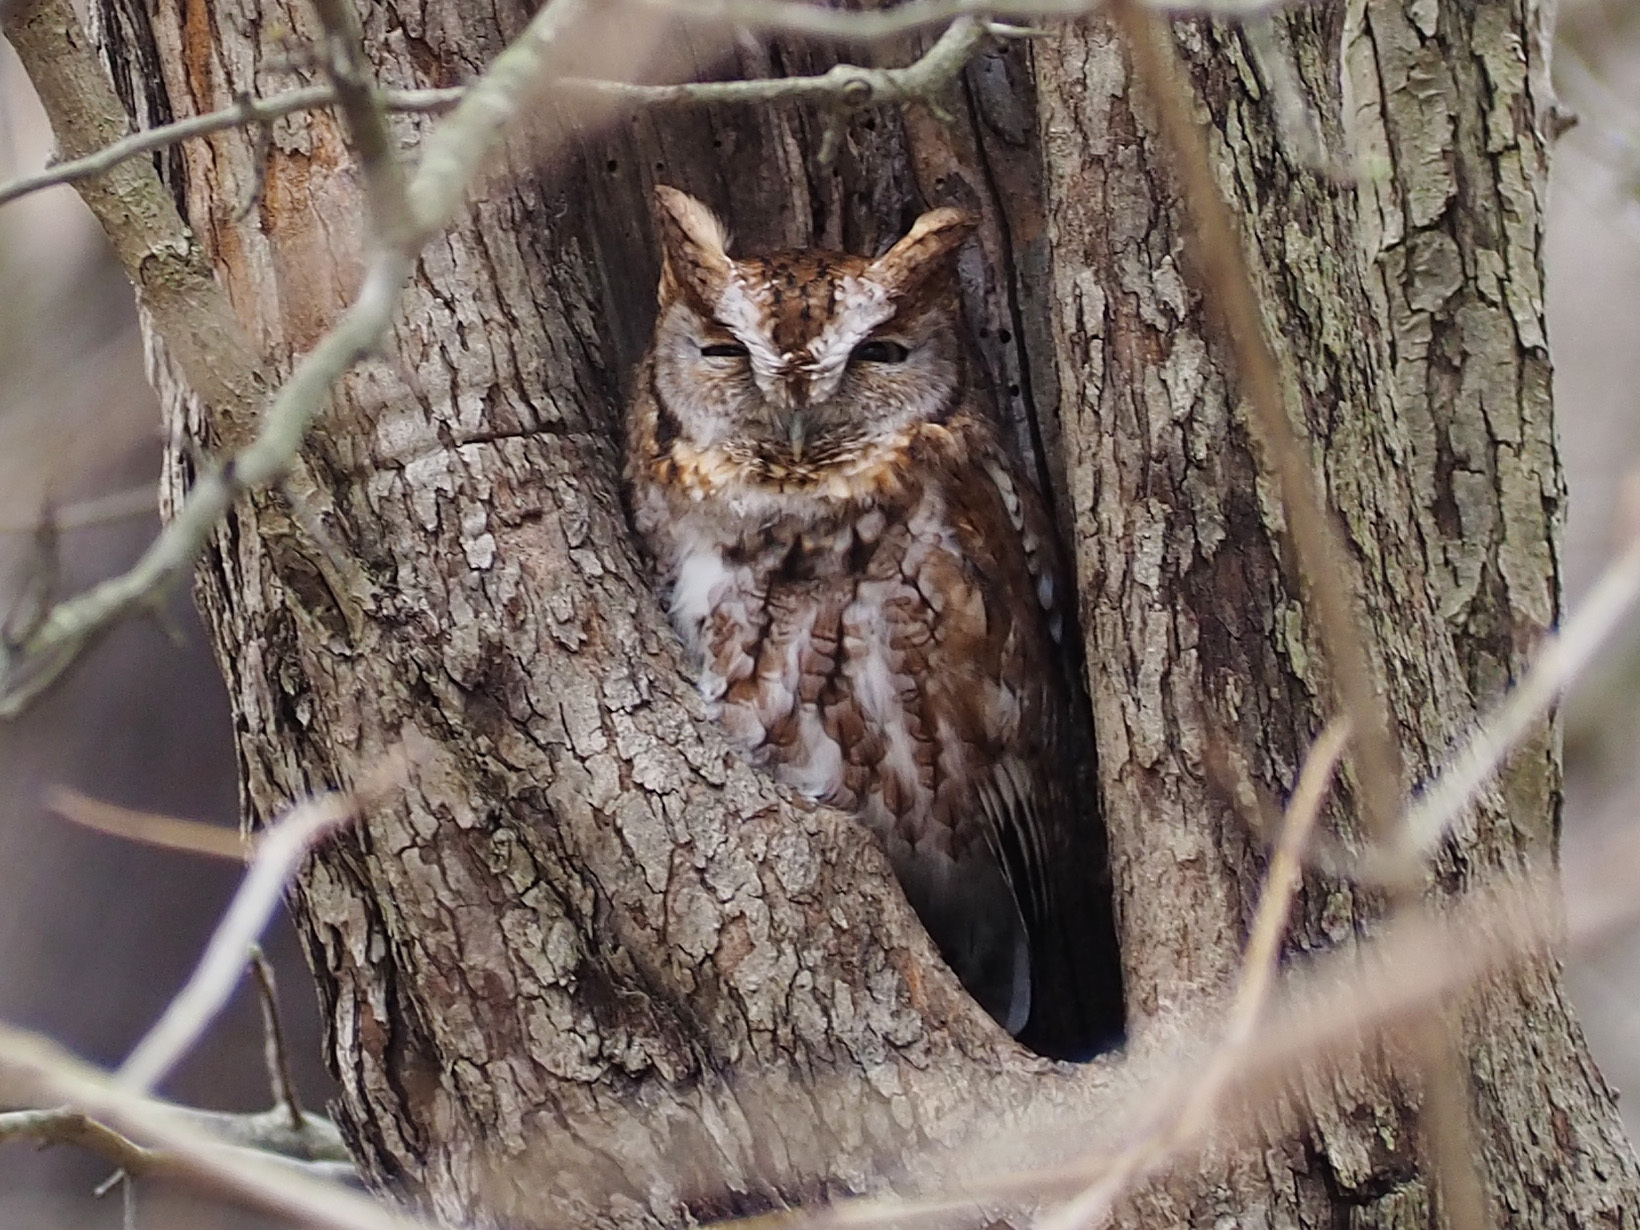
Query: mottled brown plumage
(871, 592)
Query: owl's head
(797, 362)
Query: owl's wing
(1047, 850)
(1035, 797)
(1006, 796)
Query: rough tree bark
(592, 969)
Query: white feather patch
(702, 580)
(820, 775)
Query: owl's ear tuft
(926, 250)
(694, 256)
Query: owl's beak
(796, 431)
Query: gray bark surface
(1408, 315)
(592, 968)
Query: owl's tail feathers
(974, 921)
(1057, 987)
(1076, 983)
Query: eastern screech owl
(869, 586)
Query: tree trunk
(592, 967)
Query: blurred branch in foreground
(1338, 1003)
(280, 849)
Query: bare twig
(36, 1070)
(149, 828)
(921, 81)
(34, 588)
(244, 113)
(856, 85)
(801, 17)
(71, 1127)
(1281, 882)
(274, 1050)
(261, 153)
(315, 1146)
(279, 853)
(107, 1185)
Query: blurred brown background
(96, 935)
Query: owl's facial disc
(801, 381)
(797, 364)
(828, 356)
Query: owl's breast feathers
(881, 634)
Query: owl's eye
(723, 350)
(878, 350)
